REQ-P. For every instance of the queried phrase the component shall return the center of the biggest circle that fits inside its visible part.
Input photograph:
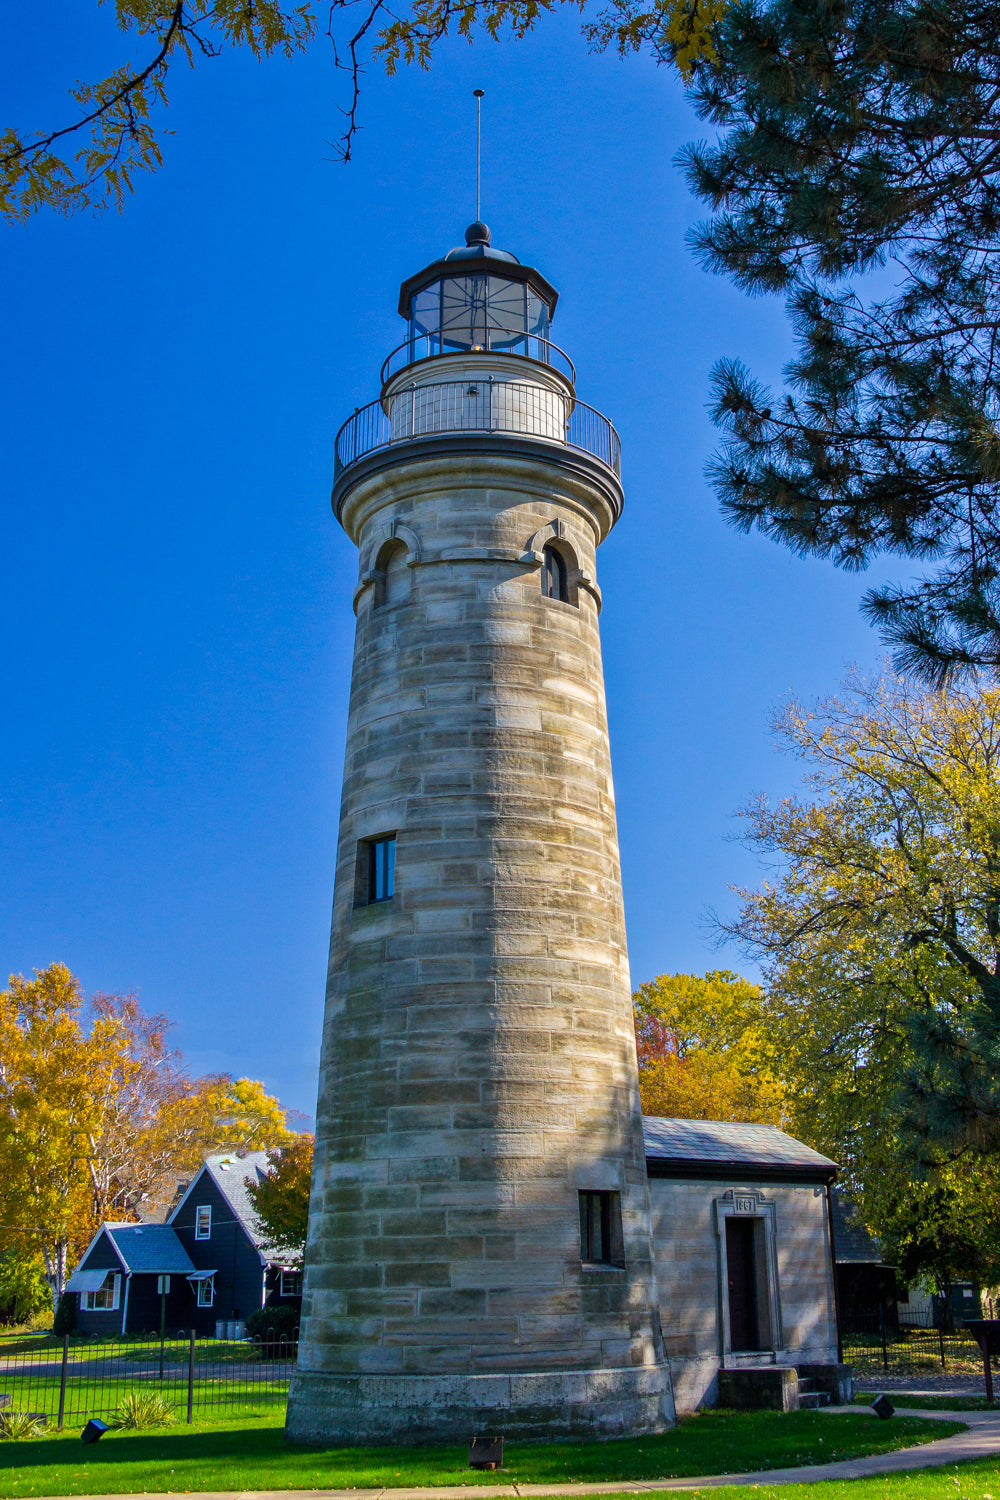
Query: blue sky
(176, 622)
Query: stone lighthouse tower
(479, 1251)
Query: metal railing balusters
(509, 408)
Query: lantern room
(477, 299)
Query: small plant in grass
(140, 1408)
(18, 1424)
(65, 1319)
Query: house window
(601, 1242)
(105, 1299)
(291, 1284)
(206, 1291)
(203, 1223)
(555, 575)
(380, 856)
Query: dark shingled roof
(150, 1247)
(727, 1143)
(853, 1245)
(230, 1173)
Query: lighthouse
(479, 1256)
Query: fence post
(941, 1342)
(191, 1379)
(62, 1380)
(881, 1329)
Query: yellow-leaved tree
(97, 1112)
(879, 934)
(705, 1050)
(91, 160)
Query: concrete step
(810, 1400)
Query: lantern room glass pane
(478, 312)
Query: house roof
(682, 1146)
(852, 1242)
(149, 1247)
(152, 1249)
(230, 1172)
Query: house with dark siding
(208, 1264)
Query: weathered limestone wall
(479, 1058)
(687, 1251)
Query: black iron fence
(68, 1384)
(915, 1344)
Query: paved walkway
(981, 1439)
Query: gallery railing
(508, 408)
(433, 345)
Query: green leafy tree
(281, 1198)
(943, 1231)
(92, 160)
(23, 1289)
(880, 931)
(856, 173)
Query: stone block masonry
(478, 1069)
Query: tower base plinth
(372, 1409)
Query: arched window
(392, 574)
(555, 575)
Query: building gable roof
(853, 1244)
(140, 1249)
(686, 1146)
(149, 1248)
(229, 1172)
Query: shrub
(18, 1424)
(65, 1319)
(275, 1330)
(140, 1408)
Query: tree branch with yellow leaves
(117, 123)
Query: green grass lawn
(254, 1455)
(137, 1347)
(254, 1395)
(933, 1403)
(973, 1481)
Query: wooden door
(741, 1270)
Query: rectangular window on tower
(376, 870)
(601, 1239)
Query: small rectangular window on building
(206, 1291)
(105, 1299)
(291, 1284)
(601, 1241)
(379, 861)
(203, 1222)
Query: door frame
(750, 1203)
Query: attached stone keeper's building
(743, 1247)
(480, 1254)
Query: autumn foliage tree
(704, 1051)
(879, 934)
(114, 128)
(281, 1198)
(96, 1111)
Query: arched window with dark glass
(392, 574)
(555, 575)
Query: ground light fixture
(486, 1453)
(883, 1407)
(94, 1430)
